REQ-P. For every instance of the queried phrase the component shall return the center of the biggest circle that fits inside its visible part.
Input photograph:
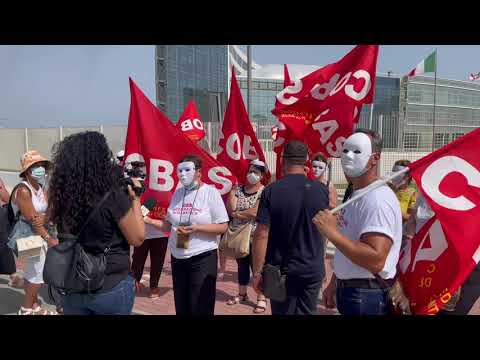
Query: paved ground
(11, 299)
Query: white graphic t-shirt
(377, 212)
(203, 206)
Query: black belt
(363, 283)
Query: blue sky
(88, 85)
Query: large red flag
(447, 248)
(238, 143)
(190, 123)
(332, 94)
(151, 137)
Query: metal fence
(14, 142)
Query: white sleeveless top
(38, 199)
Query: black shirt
(102, 231)
(280, 207)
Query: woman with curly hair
(83, 173)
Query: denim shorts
(118, 301)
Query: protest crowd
(85, 221)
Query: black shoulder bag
(274, 276)
(70, 269)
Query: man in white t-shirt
(368, 237)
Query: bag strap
(94, 211)
(12, 217)
(296, 227)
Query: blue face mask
(38, 174)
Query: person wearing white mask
(195, 218)
(368, 237)
(242, 206)
(319, 167)
(29, 202)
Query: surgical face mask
(318, 168)
(38, 174)
(186, 174)
(253, 178)
(357, 150)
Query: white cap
(257, 162)
(121, 154)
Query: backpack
(70, 269)
(7, 218)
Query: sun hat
(30, 158)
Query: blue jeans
(118, 301)
(355, 301)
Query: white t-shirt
(151, 232)
(208, 208)
(378, 211)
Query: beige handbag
(236, 241)
(29, 246)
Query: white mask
(357, 150)
(253, 178)
(318, 168)
(186, 174)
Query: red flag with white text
(447, 248)
(152, 138)
(334, 94)
(190, 122)
(238, 142)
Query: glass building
(384, 115)
(457, 111)
(192, 71)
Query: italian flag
(428, 65)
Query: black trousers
(157, 248)
(194, 284)
(7, 261)
(469, 294)
(302, 296)
(244, 267)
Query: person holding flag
(369, 235)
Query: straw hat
(30, 158)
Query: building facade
(457, 111)
(183, 72)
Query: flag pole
(434, 102)
(249, 80)
(374, 185)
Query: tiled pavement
(10, 299)
(226, 287)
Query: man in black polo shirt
(285, 235)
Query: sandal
(154, 293)
(261, 306)
(26, 311)
(40, 311)
(238, 299)
(138, 287)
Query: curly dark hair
(83, 171)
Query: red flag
(238, 143)
(190, 123)
(334, 93)
(444, 252)
(286, 77)
(152, 137)
(282, 134)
